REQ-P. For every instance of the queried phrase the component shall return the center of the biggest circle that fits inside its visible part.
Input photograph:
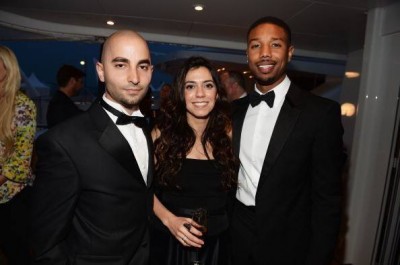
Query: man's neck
(266, 88)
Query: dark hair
(66, 72)
(237, 77)
(177, 137)
(275, 21)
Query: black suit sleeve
(327, 162)
(55, 193)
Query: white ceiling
(334, 27)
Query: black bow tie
(256, 98)
(123, 118)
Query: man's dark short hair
(238, 77)
(275, 21)
(66, 72)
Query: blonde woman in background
(17, 131)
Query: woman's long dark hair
(177, 137)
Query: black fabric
(61, 108)
(14, 229)
(200, 186)
(256, 98)
(243, 229)
(166, 250)
(123, 118)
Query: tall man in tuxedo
(287, 208)
(92, 195)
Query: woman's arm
(182, 228)
(17, 167)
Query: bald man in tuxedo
(92, 196)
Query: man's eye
(253, 46)
(119, 65)
(144, 67)
(276, 45)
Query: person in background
(165, 93)
(289, 141)
(92, 197)
(195, 168)
(17, 132)
(234, 85)
(163, 98)
(61, 107)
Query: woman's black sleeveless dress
(200, 187)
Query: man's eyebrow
(120, 60)
(273, 39)
(281, 39)
(144, 61)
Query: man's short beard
(267, 82)
(131, 104)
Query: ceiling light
(350, 74)
(110, 23)
(198, 7)
(348, 109)
(82, 62)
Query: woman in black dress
(195, 168)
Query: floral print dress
(17, 167)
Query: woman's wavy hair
(177, 137)
(8, 92)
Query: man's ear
(100, 71)
(290, 52)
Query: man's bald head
(125, 68)
(121, 35)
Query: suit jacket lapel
(239, 112)
(112, 140)
(283, 128)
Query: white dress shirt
(134, 135)
(258, 126)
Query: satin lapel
(239, 113)
(150, 167)
(113, 142)
(283, 128)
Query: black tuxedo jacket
(90, 202)
(61, 107)
(298, 195)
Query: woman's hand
(185, 231)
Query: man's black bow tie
(256, 98)
(123, 118)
